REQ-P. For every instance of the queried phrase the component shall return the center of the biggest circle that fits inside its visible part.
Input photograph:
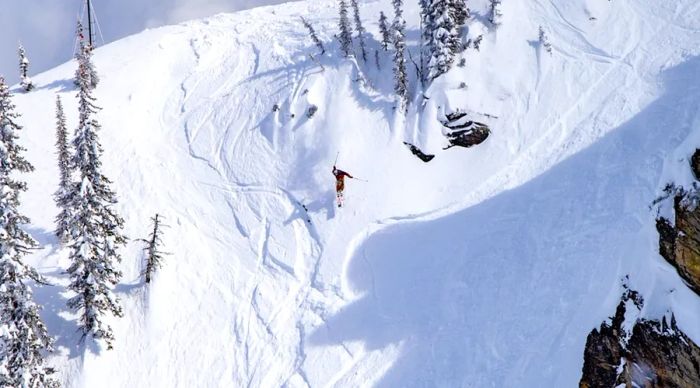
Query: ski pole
(361, 180)
(336, 158)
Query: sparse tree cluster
(88, 224)
(25, 81)
(442, 20)
(23, 336)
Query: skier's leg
(340, 198)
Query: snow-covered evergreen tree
(23, 336)
(344, 28)
(95, 227)
(441, 30)
(154, 256)
(314, 37)
(398, 28)
(495, 13)
(459, 11)
(544, 40)
(64, 182)
(384, 31)
(25, 81)
(359, 28)
(84, 58)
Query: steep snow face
(485, 267)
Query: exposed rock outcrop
(654, 354)
(419, 154)
(695, 163)
(463, 132)
(686, 244)
(679, 242)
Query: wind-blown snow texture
(485, 267)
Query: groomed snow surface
(485, 268)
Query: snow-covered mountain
(486, 267)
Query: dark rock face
(464, 132)
(654, 354)
(695, 163)
(662, 356)
(603, 353)
(667, 239)
(420, 154)
(680, 244)
(687, 244)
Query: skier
(340, 184)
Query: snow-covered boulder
(463, 132)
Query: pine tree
(495, 13)
(25, 81)
(23, 336)
(95, 232)
(64, 183)
(544, 40)
(442, 33)
(344, 25)
(314, 37)
(384, 30)
(84, 58)
(426, 32)
(359, 28)
(459, 11)
(154, 256)
(400, 77)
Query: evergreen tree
(25, 81)
(459, 11)
(495, 13)
(154, 256)
(23, 336)
(84, 58)
(400, 77)
(443, 41)
(64, 183)
(544, 40)
(426, 32)
(95, 232)
(384, 30)
(314, 37)
(359, 28)
(344, 25)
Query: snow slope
(485, 267)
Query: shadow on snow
(505, 292)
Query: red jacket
(340, 174)
(340, 179)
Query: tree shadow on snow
(56, 315)
(505, 292)
(45, 239)
(59, 86)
